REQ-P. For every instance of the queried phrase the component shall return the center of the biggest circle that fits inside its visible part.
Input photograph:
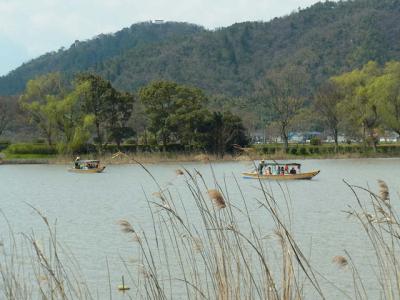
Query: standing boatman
(261, 166)
(77, 159)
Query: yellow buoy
(122, 287)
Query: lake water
(86, 208)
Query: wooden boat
(87, 166)
(282, 176)
(306, 175)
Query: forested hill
(327, 39)
(86, 55)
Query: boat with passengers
(279, 171)
(87, 166)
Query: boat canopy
(88, 161)
(282, 164)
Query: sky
(29, 28)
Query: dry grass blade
(244, 149)
(383, 190)
(341, 261)
(202, 157)
(243, 158)
(143, 271)
(217, 197)
(370, 217)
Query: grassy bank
(328, 150)
(39, 153)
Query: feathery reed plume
(179, 172)
(216, 196)
(279, 234)
(162, 198)
(341, 261)
(136, 238)
(383, 190)
(157, 195)
(126, 227)
(197, 244)
(143, 271)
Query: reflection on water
(86, 208)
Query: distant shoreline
(156, 158)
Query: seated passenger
(293, 171)
(268, 171)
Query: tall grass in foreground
(223, 254)
(30, 269)
(380, 223)
(215, 251)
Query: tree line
(361, 103)
(88, 109)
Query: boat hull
(94, 170)
(301, 176)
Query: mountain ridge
(327, 39)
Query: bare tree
(283, 93)
(326, 101)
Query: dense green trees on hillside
(71, 115)
(41, 99)
(224, 130)
(363, 102)
(110, 109)
(248, 69)
(175, 112)
(92, 54)
(326, 39)
(385, 90)
(358, 107)
(8, 111)
(178, 113)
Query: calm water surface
(87, 207)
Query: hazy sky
(29, 28)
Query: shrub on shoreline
(25, 148)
